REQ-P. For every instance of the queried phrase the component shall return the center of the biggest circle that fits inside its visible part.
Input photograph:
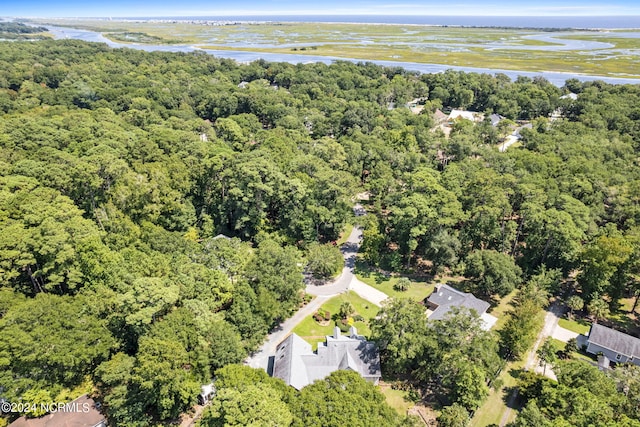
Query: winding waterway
(555, 78)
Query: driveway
(367, 292)
(260, 358)
(564, 335)
(343, 283)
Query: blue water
(579, 22)
(557, 79)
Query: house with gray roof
(298, 366)
(444, 298)
(613, 345)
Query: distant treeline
(19, 28)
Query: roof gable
(298, 366)
(445, 297)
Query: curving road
(344, 282)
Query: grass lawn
(500, 310)
(418, 290)
(314, 332)
(579, 326)
(493, 409)
(626, 304)
(397, 399)
(557, 345)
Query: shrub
(343, 324)
(402, 285)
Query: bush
(402, 285)
(322, 315)
(358, 318)
(343, 324)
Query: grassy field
(397, 399)
(418, 290)
(500, 310)
(460, 46)
(494, 408)
(580, 326)
(314, 332)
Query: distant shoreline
(540, 23)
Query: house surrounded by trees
(613, 345)
(298, 366)
(444, 298)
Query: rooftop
(445, 297)
(614, 340)
(298, 366)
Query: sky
(151, 8)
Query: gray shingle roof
(445, 297)
(614, 340)
(298, 366)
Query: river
(555, 78)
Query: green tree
(343, 398)
(598, 308)
(400, 330)
(600, 261)
(276, 277)
(324, 261)
(575, 303)
(492, 272)
(454, 416)
(51, 341)
(547, 354)
(346, 310)
(256, 405)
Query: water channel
(556, 78)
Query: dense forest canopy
(120, 169)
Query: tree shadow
(510, 397)
(367, 271)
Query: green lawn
(579, 326)
(314, 332)
(500, 310)
(493, 409)
(397, 399)
(418, 290)
(558, 345)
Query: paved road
(346, 281)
